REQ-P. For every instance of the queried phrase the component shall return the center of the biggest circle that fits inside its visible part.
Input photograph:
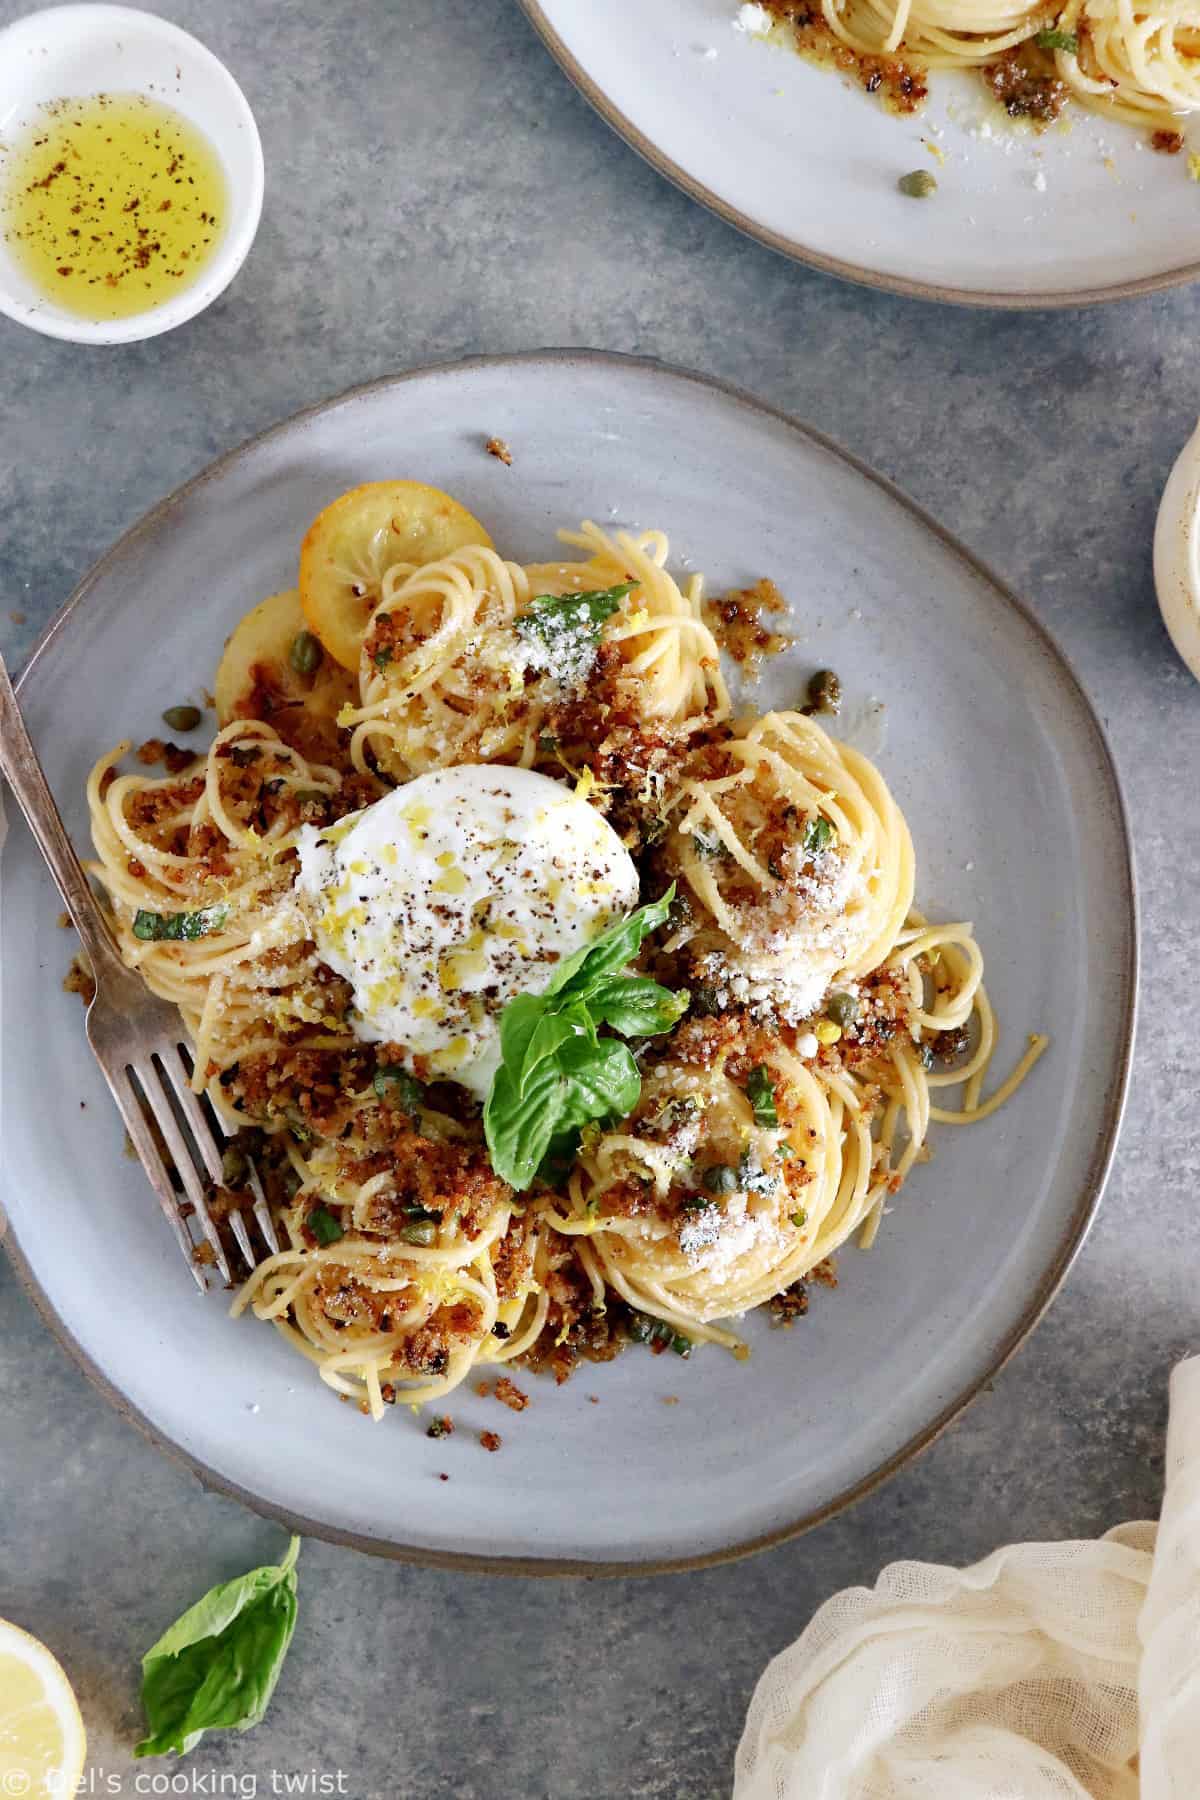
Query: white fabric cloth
(1035, 1675)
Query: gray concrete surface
(436, 188)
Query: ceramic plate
(808, 163)
(1000, 765)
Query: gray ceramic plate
(999, 762)
(805, 161)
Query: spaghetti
(827, 1020)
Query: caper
(233, 1168)
(306, 654)
(842, 1008)
(182, 718)
(419, 1231)
(918, 184)
(719, 1178)
(825, 691)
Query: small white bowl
(68, 52)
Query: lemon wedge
(42, 1741)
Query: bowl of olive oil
(131, 174)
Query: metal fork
(134, 1036)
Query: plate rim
(984, 298)
(1087, 1203)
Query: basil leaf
(599, 1081)
(635, 1006)
(760, 1092)
(216, 1667)
(184, 927)
(1057, 40)
(520, 1119)
(550, 1033)
(608, 954)
(556, 1073)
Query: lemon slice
(349, 548)
(42, 1741)
(267, 666)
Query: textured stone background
(435, 187)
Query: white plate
(994, 754)
(807, 162)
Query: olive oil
(111, 204)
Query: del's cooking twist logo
(16, 1784)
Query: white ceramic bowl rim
(233, 134)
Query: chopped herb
(706, 1001)
(547, 743)
(181, 927)
(818, 835)
(799, 1218)
(695, 1203)
(643, 1329)
(306, 654)
(565, 629)
(1057, 40)
(918, 185)
(760, 1092)
(784, 1150)
(324, 1227)
(719, 1178)
(753, 1178)
(925, 1055)
(383, 656)
(442, 1427)
(396, 1085)
(182, 718)
(706, 843)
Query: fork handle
(20, 766)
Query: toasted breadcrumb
(497, 447)
(510, 1395)
(490, 1440)
(80, 980)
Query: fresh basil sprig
(216, 1667)
(153, 927)
(557, 1073)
